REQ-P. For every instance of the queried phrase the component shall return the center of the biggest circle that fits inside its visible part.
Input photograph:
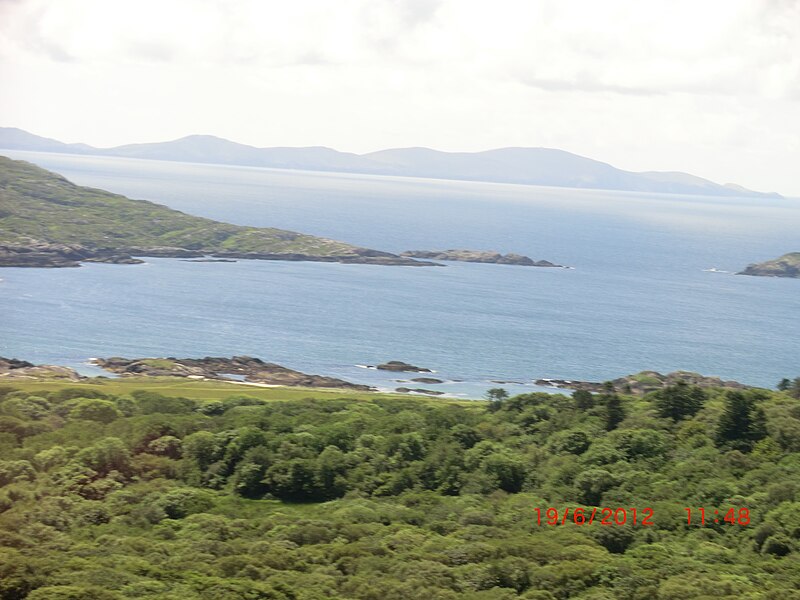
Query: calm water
(638, 297)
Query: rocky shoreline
(250, 370)
(46, 255)
(642, 383)
(406, 390)
(787, 265)
(237, 368)
(11, 368)
(480, 256)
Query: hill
(45, 220)
(532, 166)
(545, 166)
(787, 265)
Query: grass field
(217, 390)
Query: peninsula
(787, 265)
(48, 221)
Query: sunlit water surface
(640, 295)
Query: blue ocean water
(640, 295)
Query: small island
(399, 366)
(787, 265)
(480, 256)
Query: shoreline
(246, 371)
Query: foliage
(679, 401)
(109, 492)
(742, 423)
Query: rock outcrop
(787, 265)
(400, 366)
(405, 390)
(363, 259)
(642, 383)
(12, 368)
(42, 254)
(479, 256)
(245, 368)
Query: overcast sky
(708, 87)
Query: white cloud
(708, 87)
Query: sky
(710, 87)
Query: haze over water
(637, 298)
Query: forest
(108, 494)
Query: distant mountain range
(532, 166)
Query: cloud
(662, 84)
(588, 85)
(618, 46)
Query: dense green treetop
(112, 495)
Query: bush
(102, 411)
(182, 502)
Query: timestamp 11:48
(702, 517)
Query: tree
(679, 401)
(794, 391)
(506, 470)
(741, 424)
(201, 447)
(293, 480)
(90, 409)
(790, 386)
(152, 402)
(496, 396)
(331, 469)
(583, 399)
(571, 441)
(167, 445)
(592, 483)
(182, 502)
(615, 414)
(16, 470)
(106, 455)
(248, 479)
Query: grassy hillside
(41, 205)
(200, 490)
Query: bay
(639, 297)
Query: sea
(652, 284)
